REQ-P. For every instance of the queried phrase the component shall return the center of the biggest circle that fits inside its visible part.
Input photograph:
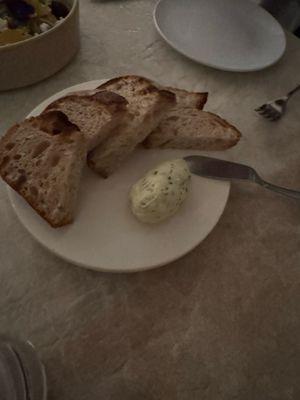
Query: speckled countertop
(222, 323)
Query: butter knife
(225, 170)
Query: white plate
(106, 236)
(232, 35)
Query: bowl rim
(41, 35)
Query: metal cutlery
(274, 110)
(226, 170)
(12, 382)
(22, 375)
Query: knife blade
(218, 169)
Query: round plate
(105, 235)
(231, 35)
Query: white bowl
(231, 35)
(39, 57)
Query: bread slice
(42, 159)
(190, 128)
(96, 113)
(184, 101)
(147, 106)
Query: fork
(274, 110)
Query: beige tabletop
(222, 323)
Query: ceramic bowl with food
(33, 45)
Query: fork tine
(267, 111)
(275, 113)
(273, 116)
(268, 116)
(265, 114)
(262, 111)
(270, 113)
(271, 110)
(261, 108)
(277, 116)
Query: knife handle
(278, 189)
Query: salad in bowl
(22, 19)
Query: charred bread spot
(202, 101)
(104, 97)
(55, 122)
(110, 98)
(120, 81)
(113, 81)
(169, 96)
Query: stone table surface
(221, 323)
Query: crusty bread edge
(167, 96)
(64, 222)
(118, 78)
(230, 143)
(95, 97)
(99, 171)
(202, 100)
(201, 103)
(227, 124)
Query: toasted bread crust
(109, 98)
(150, 87)
(168, 96)
(226, 124)
(113, 101)
(91, 163)
(202, 100)
(32, 204)
(122, 79)
(167, 135)
(200, 97)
